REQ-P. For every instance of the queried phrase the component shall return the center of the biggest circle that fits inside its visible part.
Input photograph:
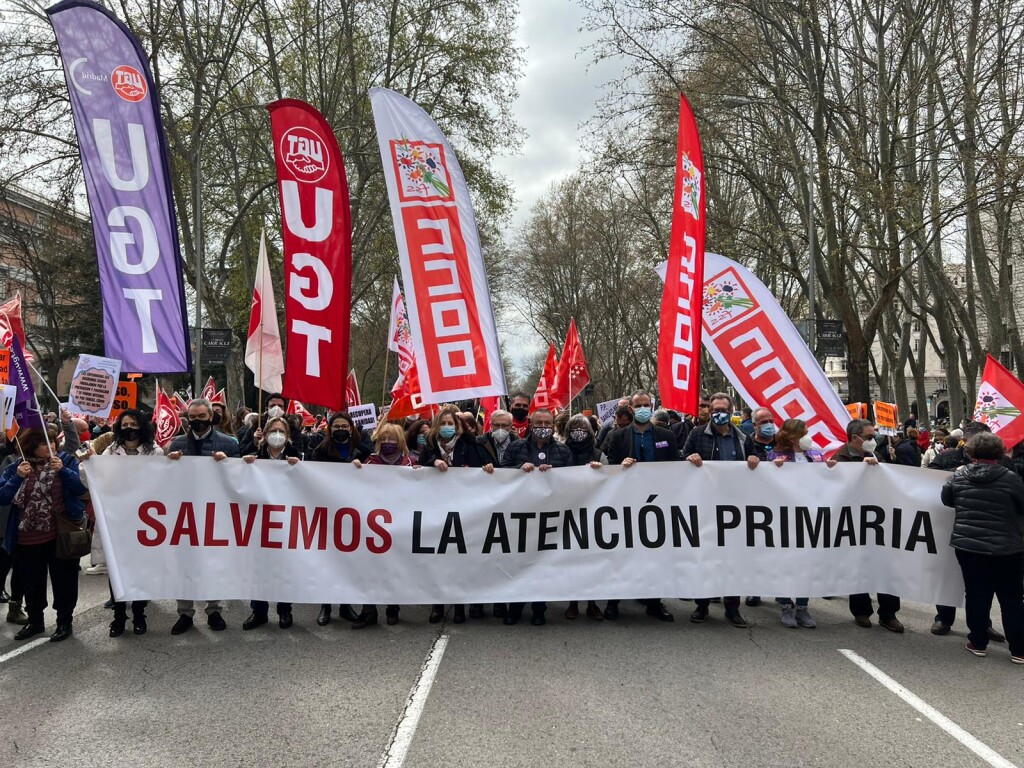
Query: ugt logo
(128, 83)
(305, 154)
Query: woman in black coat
(988, 536)
(579, 439)
(449, 444)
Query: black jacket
(522, 452)
(467, 453)
(950, 460)
(989, 504)
(908, 453)
(703, 441)
(584, 453)
(619, 445)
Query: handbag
(74, 540)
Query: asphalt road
(573, 693)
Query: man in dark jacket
(860, 446)
(201, 439)
(949, 461)
(538, 450)
(988, 536)
(641, 441)
(763, 438)
(720, 440)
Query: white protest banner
(364, 415)
(606, 410)
(93, 386)
(318, 533)
(9, 393)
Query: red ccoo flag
(489, 405)
(679, 341)
(1001, 403)
(297, 408)
(352, 390)
(542, 398)
(210, 390)
(165, 418)
(571, 376)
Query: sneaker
(938, 628)
(975, 650)
(15, 615)
(734, 618)
(788, 619)
(1017, 659)
(96, 569)
(698, 616)
(804, 618)
(994, 636)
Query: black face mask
(130, 434)
(200, 426)
(341, 435)
(520, 414)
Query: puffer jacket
(989, 504)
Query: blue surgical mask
(642, 414)
(767, 430)
(447, 431)
(720, 418)
(421, 440)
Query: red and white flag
(352, 390)
(298, 409)
(263, 355)
(165, 419)
(489, 405)
(571, 376)
(400, 338)
(680, 327)
(542, 399)
(317, 224)
(220, 397)
(11, 325)
(453, 329)
(1001, 402)
(210, 390)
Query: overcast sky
(557, 95)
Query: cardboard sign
(885, 418)
(857, 410)
(94, 386)
(364, 415)
(606, 410)
(5, 366)
(126, 397)
(9, 395)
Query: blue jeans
(801, 602)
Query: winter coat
(213, 442)
(71, 484)
(619, 445)
(467, 453)
(522, 452)
(989, 504)
(703, 442)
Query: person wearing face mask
(641, 441)
(540, 451)
(276, 445)
(860, 446)
(496, 443)
(276, 409)
(38, 488)
(132, 436)
(794, 444)
(580, 442)
(615, 421)
(201, 439)
(390, 451)
(519, 406)
(720, 440)
(416, 437)
(343, 444)
(763, 438)
(450, 445)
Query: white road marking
(976, 746)
(401, 739)
(21, 649)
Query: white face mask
(275, 411)
(500, 435)
(868, 446)
(276, 439)
(806, 443)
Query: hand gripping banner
(760, 351)
(124, 159)
(457, 354)
(680, 329)
(317, 224)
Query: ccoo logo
(305, 154)
(129, 83)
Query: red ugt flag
(682, 297)
(1001, 403)
(571, 375)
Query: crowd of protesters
(40, 482)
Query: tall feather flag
(263, 355)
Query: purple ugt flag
(124, 157)
(26, 409)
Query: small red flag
(571, 376)
(165, 418)
(542, 398)
(352, 390)
(297, 408)
(1001, 403)
(210, 390)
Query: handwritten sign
(93, 386)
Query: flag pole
(259, 384)
(384, 386)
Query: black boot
(345, 611)
(117, 625)
(460, 614)
(368, 618)
(324, 617)
(63, 631)
(436, 614)
(392, 614)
